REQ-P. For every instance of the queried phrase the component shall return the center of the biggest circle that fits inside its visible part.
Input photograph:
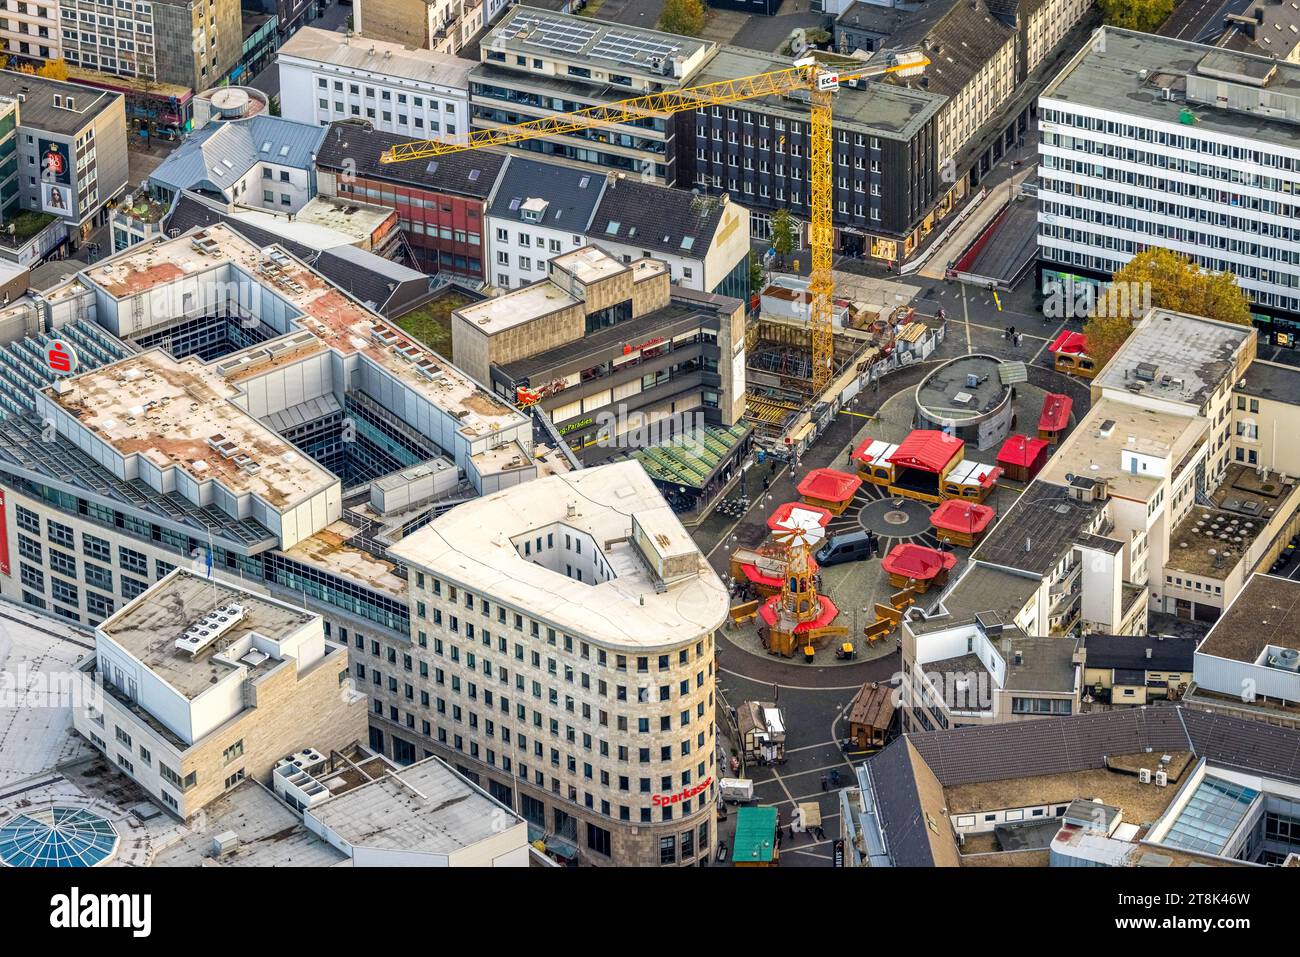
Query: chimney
(1148, 652)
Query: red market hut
(829, 489)
(1055, 418)
(1070, 355)
(917, 567)
(961, 523)
(1022, 457)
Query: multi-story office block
(446, 26)
(610, 351)
(190, 43)
(537, 64)
(564, 630)
(196, 685)
(30, 29)
(71, 150)
(1154, 142)
(325, 76)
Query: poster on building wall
(55, 166)
(56, 199)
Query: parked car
(847, 547)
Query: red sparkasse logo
(659, 800)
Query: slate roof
(1276, 33)
(365, 276)
(958, 38)
(1081, 742)
(222, 153)
(657, 219)
(571, 193)
(1037, 530)
(471, 173)
(909, 798)
(1129, 652)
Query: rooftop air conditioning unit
(1144, 775)
(1162, 779)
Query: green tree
(683, 17)
(783, 235)
(1143, 15)
(1166, 280)
(755, 273)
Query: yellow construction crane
(818, 79)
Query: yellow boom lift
(819, 80)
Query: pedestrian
(767, 482)
(823, 782)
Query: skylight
(284, 150)
(612, 228)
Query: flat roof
(1270, 380)
(1139, 803)
(329, 549)
(1127, 72)
(948, 393)
(181, 415)
(425, 807)
(588, 264)
(1033, 535)
(380, 59)
(1243, 506)
(982, 588)
(581, 40)
(1189, 357)
(341, 322)
(1112, 427)
(1266, 612)
(474, 546)
(148, 627)
(879, 107)
(517, 307)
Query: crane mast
(807, 74)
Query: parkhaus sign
(661, 800)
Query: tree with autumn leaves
(683, 17)
(1175, 283)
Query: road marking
(860, 415)
(1047, 343)
(809, 747)
(965, 311)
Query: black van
(847, 547)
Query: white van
(736, 790)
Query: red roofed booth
(829, 489)
(1055, 418)
(961, 523)
(1023, 457)
(1070, 350)
(827, 613)
(917, 566)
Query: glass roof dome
(57, 837)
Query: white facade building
(326, 76)
(1155, 142)
(566, 627)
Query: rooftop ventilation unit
(209, 628)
